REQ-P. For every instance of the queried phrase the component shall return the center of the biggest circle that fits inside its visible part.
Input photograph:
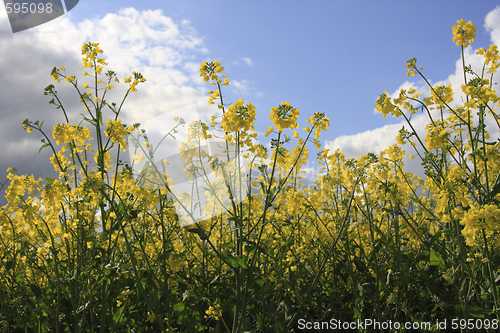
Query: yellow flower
(209, 71)
(138, 158)
(385, 105)
(285, 116)
(442, 94)
(239, 117)
(490, 55)
(69, 79)
(463, 33)
(55, 77)
(410, 64)
(90, 51)
(85, 86)
(269, 131)
(117, 132)
(214, 311)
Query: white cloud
(240, 86)
(369, 141)
(491, 24)
(148, 42)
(248, 61)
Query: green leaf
(436, 259)
(204, 235)
(237, 262)
(210, 190)
(91, 121)
(118, 315)
(260, 321)
(273, 190)
(232, 261)
(242, 262)
(263, 188)
(144, 169)
(46, 309)
(120, 208)
(260, 282)
(134, 142)
(9, 264)
(179, 307)
(45, 145)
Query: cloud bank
(166, 52)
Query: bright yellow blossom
(463, 33)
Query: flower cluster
(210, 70)
(464, 33)
(91, 59)
(137, 78)
(239, 119)
(214, 311)
(320, 122)
(411, 66)
(437, 137)
(385, 105)
(479, 218)
(442, 95)
(284, 116)
(480, 93)
(490, 55)
(213, 96)
(64, 133)
(117, 132)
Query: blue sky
(336, 57)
